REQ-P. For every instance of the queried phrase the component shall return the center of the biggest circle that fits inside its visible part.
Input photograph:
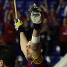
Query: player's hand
(17, 23)
(36, 14)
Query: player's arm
(35, 40)
(23, 43)
(36, 43)
(23, 40)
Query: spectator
(2, 8)
(63, 37)
(10, 32)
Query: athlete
(32, 49)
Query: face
(29, 50)
(45, 21)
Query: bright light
(57, 48)
(48, 59)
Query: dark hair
(8, 56)
(43, 46)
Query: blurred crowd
(53, 30)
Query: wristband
(35, 39)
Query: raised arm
(35, 40)
(59, 6)
(45, 8)
(23, 40)
(5, 4)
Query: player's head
(7, 56)
(29, 50)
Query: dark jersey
(32, 64)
